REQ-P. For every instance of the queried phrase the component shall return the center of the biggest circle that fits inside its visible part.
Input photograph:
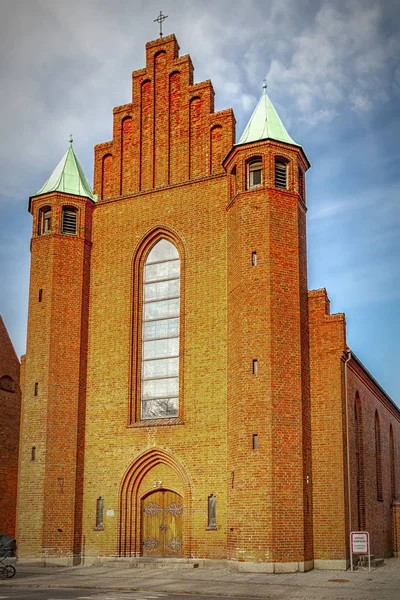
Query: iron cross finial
(160, 19)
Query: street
(85, 594)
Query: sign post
(359, 545)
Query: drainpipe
(347, 435)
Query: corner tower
(52, 424)
(269, 455)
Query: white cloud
(340, 56)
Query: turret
(52, 424)
(268, 364)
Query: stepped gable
(169, 134)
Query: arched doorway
(155, 492)
(162, 519)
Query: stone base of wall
(281, 567)
(334, 565)
(190, 563)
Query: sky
(333, 74)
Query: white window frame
(45, 221)
(254, 166)
(159, 395)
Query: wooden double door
(162, 515)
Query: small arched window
(7, 384)
(281, 174)
(254, 173)
(44, 220)
(69, 221)
(160, 332)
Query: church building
(184, 394)
(10, 407)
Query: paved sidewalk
(383, 583)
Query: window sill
(212, 528)
(98, 528)
(254, 187)
(156, 423)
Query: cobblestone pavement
(383, 583)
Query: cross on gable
(160, 19)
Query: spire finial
(265, 86)
(70, 139)
(160, 20)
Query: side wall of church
(10, 409)
(355, 442)
(374, 425)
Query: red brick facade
(264, 417)
(355, 479)
(10, 405)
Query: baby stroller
(8, 547)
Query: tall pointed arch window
(160, 332)
(360, 463)
(378, 458)
(392, 464)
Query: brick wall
(50, 489)
(10, 404)
(345, 400)
(267, 322)
(376, 504)
(328, 429)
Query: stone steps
(153, 563)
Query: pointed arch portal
(154, 522)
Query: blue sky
(333, 73)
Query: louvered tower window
(280, 174)
(69, 221)
(160, 332)
(45, 221)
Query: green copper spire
(68, 177)
(265, 124)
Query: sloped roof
(68, 177)
(265, 124)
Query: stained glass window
(160, 332)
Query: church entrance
(162, 515)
